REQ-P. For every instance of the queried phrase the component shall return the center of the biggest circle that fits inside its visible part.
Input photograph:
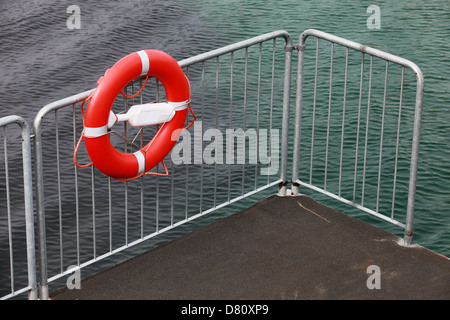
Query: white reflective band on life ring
(90, 132)
(179, 105)
(145, 62)
(141, 161)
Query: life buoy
(104, 156)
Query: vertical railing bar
(245, 111)
(94, 245)
(141, 101)
(126, 213)
(172, 192)
(367, 131)
(29, 211)
(314, 112)
(381, 137)
(132, 103)
(58, 182)
(157, 89)
(231, 121)
(125, 109)
(110, 214)
(77, 196)
(217, 127)
(187, 167)
(8, 210)
(157, 198)
(142, 92)
(142, 206)
(142, 178)
(258, 102)
(157, 170)
(329, 117)
(397, 142)
(203, 117)
(358, 126)
(282, 187)
(172, 185)
(287, 74)
(271, 106)
(343, 120)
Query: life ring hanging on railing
(170, 116)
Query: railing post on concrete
(285, 121)
(298, 114)
(409, 230)
(28, 197)
(43, 286)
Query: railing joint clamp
(296, 47)
(290, 48)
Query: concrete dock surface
(281, 248)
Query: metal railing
(18, 216)
(380, 133)
(353, 142)
(83, 206)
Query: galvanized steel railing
(85, 217)
(221, 98)
(380, 102)
(14, 214)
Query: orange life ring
(103, 155)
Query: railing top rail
(59, 104)
(363, 48)
(13, 119)
(237, 46)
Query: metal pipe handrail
(236, 46)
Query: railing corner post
(294, 188)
